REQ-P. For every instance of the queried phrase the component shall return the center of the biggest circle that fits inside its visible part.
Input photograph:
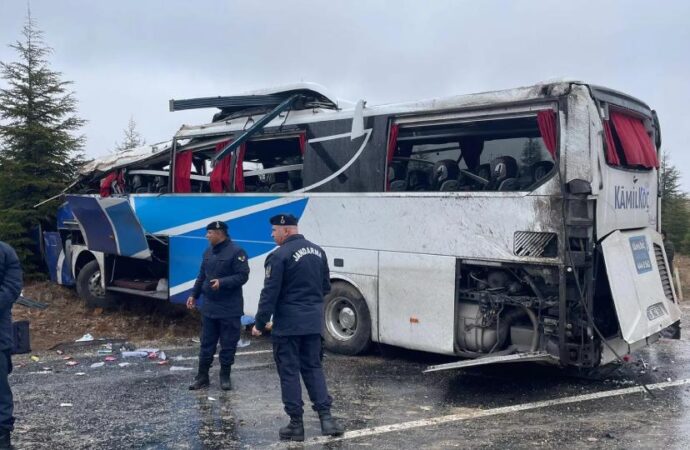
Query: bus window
(490, 155)
(273, 165)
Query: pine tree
(39, 151)
(531, 152)
(675, 215)
(132, 137)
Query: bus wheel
(347, 320)
(89, 287)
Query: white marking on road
(479, 413)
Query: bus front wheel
(347, 320)
(90, 289)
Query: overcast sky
(129, 57)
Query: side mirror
(358, 121)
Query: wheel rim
(341, 318)
(95, 287)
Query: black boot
(293, 431)
(5, 439)
(329, 426)
(225, 383)
(201, 380)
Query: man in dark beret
(224, 269)
(297, 278)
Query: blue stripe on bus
(251, 232)
(99, 233)
(158, 213)
(130, 236)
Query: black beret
(217, 225)
(284, 220)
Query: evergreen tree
(132, 137)
(39, 150)
(675, 215)
(531, 152)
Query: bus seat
(450, 185)
(278, 187)
(417, 180)
(397, 171)
(397, 186)
(502, 168)
(444, 170)
(541, 169)
(511, 184)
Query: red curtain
(183, 172)
(611, 153)
(392, 142)
(220, 175)
(637, 144)
(302, 143)
(239, 173)
(549, 132)
(107, 183)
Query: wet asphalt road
(148, 406)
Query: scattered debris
(243, 343)
(425, 408)
(65, 405)
(86, 338)
(105, 349)
(97, 365)
(162, 356)
(80, 374)
(72, 363)
(35, 358)
(180, 368)
(123, 364)
(134, 354)
(59, 352)
(110, 359)
(161, 363)
(212, 399)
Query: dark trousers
(6, 400)
(295, 355)
(227, 330)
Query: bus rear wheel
(90, 289)
(347, 320)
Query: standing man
(10, 289)
(224, 269)
(297, 278)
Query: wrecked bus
(504, 226)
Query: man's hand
(269, 326)
(255, 331)
(191, 303)
(215, 284)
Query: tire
(89, 287)
(347, 321)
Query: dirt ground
(136, 319)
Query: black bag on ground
(22, 339)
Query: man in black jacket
(224, 269)
(10, 288)
(297, 278)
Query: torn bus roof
(346, 109)
(124, 158)
(312, 95)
